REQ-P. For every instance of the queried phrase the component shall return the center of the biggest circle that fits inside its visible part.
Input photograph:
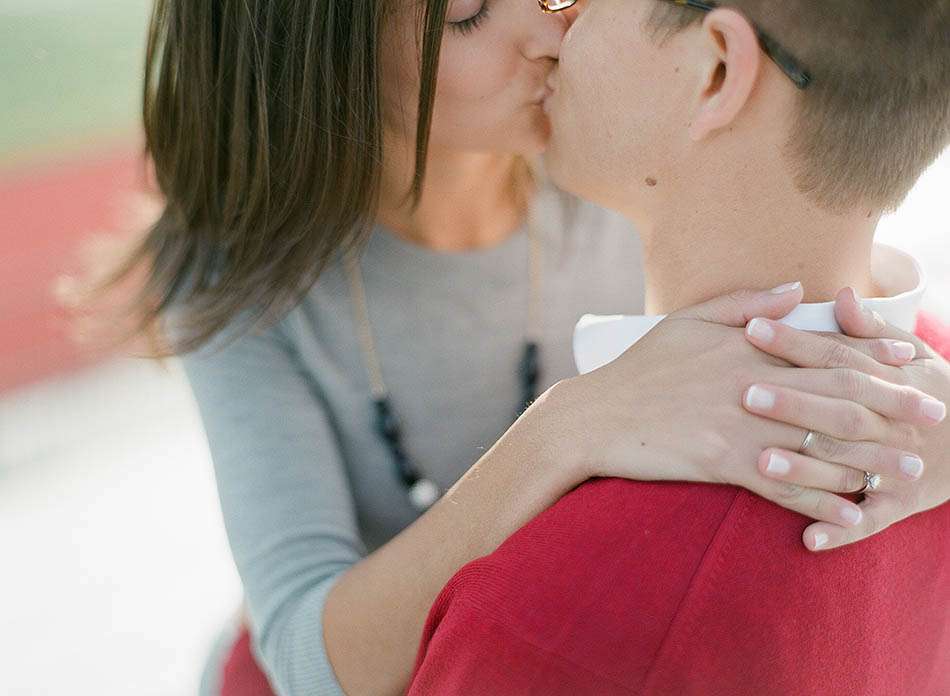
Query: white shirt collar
(600, 339)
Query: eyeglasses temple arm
(772, 48)
(784, 60)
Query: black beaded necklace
(423, 492)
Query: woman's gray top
(306, 485)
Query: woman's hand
(836, 466)
(672, 407)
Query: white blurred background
(115, 573)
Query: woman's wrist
(553, 433)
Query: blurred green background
(70, 72)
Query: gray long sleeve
(285, 497)
(307, 485)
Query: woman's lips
(542, 96)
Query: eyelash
(467, 26)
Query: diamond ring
(871, 482)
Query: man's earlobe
(734, 58)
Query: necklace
(424, 492)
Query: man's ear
(734, 57)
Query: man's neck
(692, 257)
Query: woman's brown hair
(263, 123)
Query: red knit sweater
(626, 587)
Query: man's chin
(568, 174)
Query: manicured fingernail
(851, 515)
(788, 287)
(912, 466)
(761, 329)
(903, 350)
(778, 465)
(933, 409)
(759, 398)
(820, 539)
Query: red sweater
(626, 587)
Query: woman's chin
(540, 138)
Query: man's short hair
(877, 111)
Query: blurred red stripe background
(47, 211)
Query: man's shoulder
(631, 581)
(603, 518)
(609, 550)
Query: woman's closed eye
(472, 22)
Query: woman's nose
(543, 33)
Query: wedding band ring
(809, 436)
(871, 482)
